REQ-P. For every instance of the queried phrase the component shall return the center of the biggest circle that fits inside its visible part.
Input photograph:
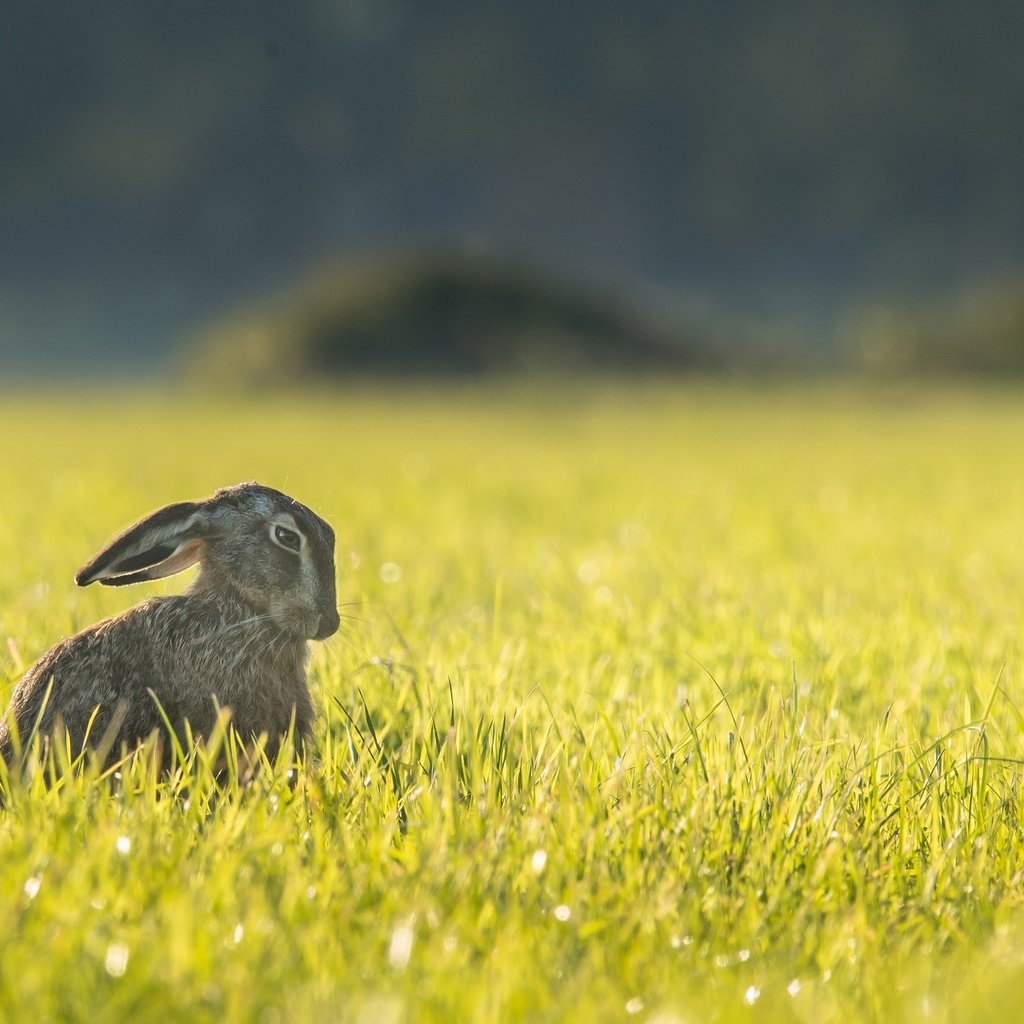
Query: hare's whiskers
(231, 627)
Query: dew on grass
(538, 861)
(562, 912)
(117, 959)
(793, 988)
(31, 887)
(752, 995)
(237, 934)
(124, 845)
(743, 955)
(390, 572)
(635, 1005)
(400, 949)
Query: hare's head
(250, 541)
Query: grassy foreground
(667, 705)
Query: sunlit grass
(661, 704)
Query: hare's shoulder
(100, 640)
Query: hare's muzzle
(328, 624)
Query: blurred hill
(163, 163)
(978, 331)
(426, 313)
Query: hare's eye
(287, 538)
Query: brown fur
(237, 639)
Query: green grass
(671, 704)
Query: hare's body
(237, 640)
(164, 658)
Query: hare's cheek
(293, 617)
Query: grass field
(682, 704)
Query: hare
(236, 639)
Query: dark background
(785, 166)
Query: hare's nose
(328, 625)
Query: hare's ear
(162, 544)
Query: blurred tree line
(166, 161)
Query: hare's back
(98, 682)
